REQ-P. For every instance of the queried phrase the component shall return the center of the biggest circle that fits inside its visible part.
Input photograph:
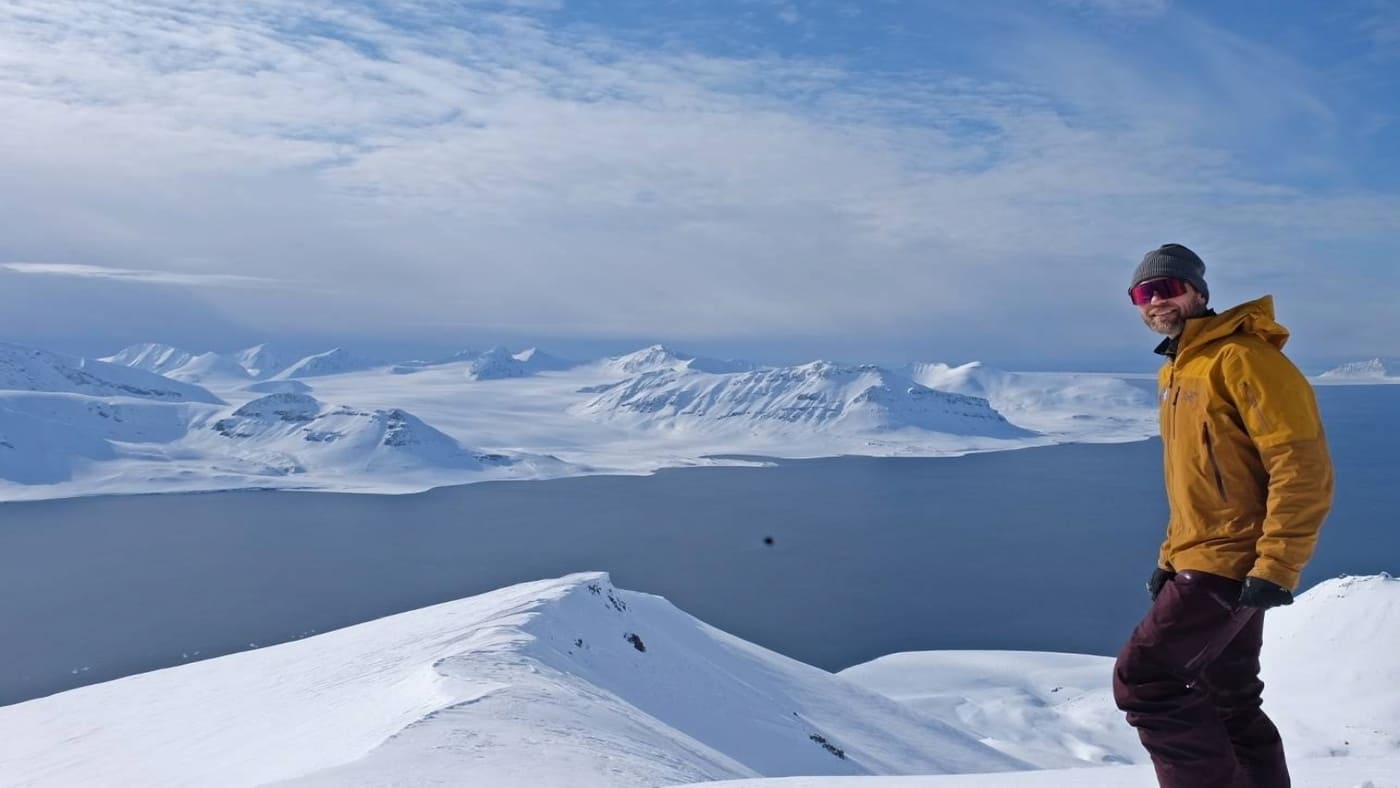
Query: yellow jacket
(1249, 478)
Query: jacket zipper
(1214, 463)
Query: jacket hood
(1252, 317)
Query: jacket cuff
(1279, 575)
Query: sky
(779, 180)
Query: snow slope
(28, 369)
(331, 362)
(574, 682)
(1328, 773)
(39, 451)
(560, 682)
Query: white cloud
(80, 271)
(473, 165)
(1139, 9)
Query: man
(1249, 482)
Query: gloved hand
(1262, 594)
(1160, 578)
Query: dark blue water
(1043, 549)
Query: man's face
(1167, 316)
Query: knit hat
(1175, 261)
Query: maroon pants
(1188, 679)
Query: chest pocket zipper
(1214, 463)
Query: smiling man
(1249, 482)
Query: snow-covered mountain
(331, 362)
(657, 358)
(496, 364)
(209, 368)
(28, 369)
(261, 361)
(574, 682)
(1372, 370)
(536, 360)
(818, 395)
(294, 433)
(554, 416)
(1055, 403)
(151, 356)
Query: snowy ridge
(612, 688)
(183, 365)
(151, 356)
(574, 682)
(27, 369)
(820, 394)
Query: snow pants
(1188, 679)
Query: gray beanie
(1175, 261)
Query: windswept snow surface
(651, 409)
(574, 682)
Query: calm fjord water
(1042, 549)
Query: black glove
(1262, 594)
(1160, 578)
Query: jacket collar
(1252, 317)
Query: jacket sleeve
(1279, 410)
(1164, 560)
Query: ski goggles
(1166, 288)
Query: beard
(1172, 320)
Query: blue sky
(776, 179)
